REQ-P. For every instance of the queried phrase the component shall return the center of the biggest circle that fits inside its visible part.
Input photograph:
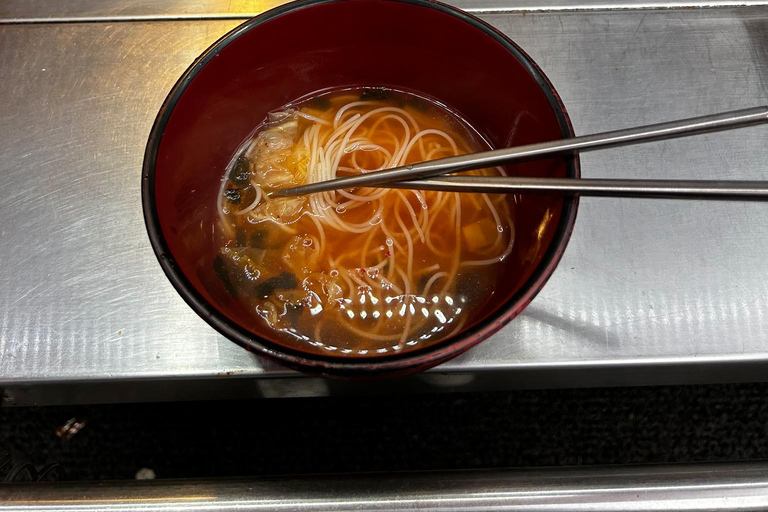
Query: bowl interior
(294, 52)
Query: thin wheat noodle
(374, 243)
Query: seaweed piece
(375, 94)
(285, 281)
(292, 313)
(320, 103)
(241, 172)
(418, 104)
(259, 239)
(220, 267)
(232, 195)
(237, 272)
(240, 237)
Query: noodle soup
(367, 271)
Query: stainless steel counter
(648, 291)
(68, 11)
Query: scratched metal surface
(32, 11)
(656, 287)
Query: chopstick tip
(285, 192)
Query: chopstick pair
(422, 175)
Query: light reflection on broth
(362, 271)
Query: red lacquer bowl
(307, 46)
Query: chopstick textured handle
(670, 130)
(670, 189)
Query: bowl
(307, 46)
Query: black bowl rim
(375, 365)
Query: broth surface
(364, 271)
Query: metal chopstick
(668, 189)
(693, 126)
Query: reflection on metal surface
(78, 11)
(62, 11)
(669, 291)
(726, 487)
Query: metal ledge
(725, 487)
